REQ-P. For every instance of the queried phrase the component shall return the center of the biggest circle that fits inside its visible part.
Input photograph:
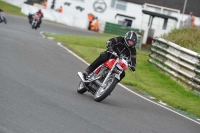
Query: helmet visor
(130, 42)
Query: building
(191, 5)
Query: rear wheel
(104, 91)
(81, 89)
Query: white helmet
(131, 35)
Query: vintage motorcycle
(35, 21)
(103, 80)
(3, 18)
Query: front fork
(109, 73)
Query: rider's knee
(104, 55)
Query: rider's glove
(108, 44)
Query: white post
(185, 3)
(184, 6)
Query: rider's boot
(88, 71)
(85, 75)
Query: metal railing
(181, 63)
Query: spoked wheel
(105, 90)
(81, 89)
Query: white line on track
(41, 33)
(59, 44)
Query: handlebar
(117, 56)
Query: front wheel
(36, 25)
(33, 25)
(104, 91)
(81, 89)
(4, 19)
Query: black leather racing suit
(118, 45)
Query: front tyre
(104, 91)
(4, 19)
(33, 25)
(36, 25)
(81, 89)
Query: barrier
(181, 63)
(82, 22)
(52, 15)
(119, 29)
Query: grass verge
(10, 9)
(146, 77)
(186, 37)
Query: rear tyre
(81, 89)
(103, 92)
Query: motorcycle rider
(39, 13)
(121, 45)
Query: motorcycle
(2, 18)
(102, 81)
(35, 21)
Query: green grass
(146, 77)
(10, 9)
(187, 37)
